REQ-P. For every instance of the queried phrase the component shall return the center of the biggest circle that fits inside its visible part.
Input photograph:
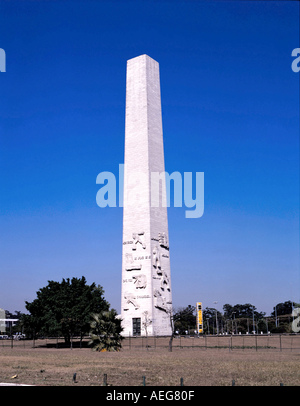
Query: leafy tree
(210, 319)
(282, 323)
(28, 326)
(65, 307)
(241, 311)
(283, 309)
(239, 318)
(184, 319)
(106, 331)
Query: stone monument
(146, 302)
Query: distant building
(2, 322)
(6, 323)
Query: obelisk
(146, 282)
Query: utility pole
(217, 320)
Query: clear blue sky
(230, 105)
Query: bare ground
(197, 366)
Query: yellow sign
(199, 317)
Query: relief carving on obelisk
(138, 238)
(140, 281)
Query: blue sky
(230, 105)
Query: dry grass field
(196, 365)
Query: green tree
(65, 307)
(28, 326)
(284, 309)
(242, 311)
(239, 318)
(184, 319)
(281, 318)
(211, 317)
(106, 331)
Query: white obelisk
(146, 284)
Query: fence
(274, 342)
(45, 342)
(278, 342)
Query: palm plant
(105, 331)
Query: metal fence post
(105, 380)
